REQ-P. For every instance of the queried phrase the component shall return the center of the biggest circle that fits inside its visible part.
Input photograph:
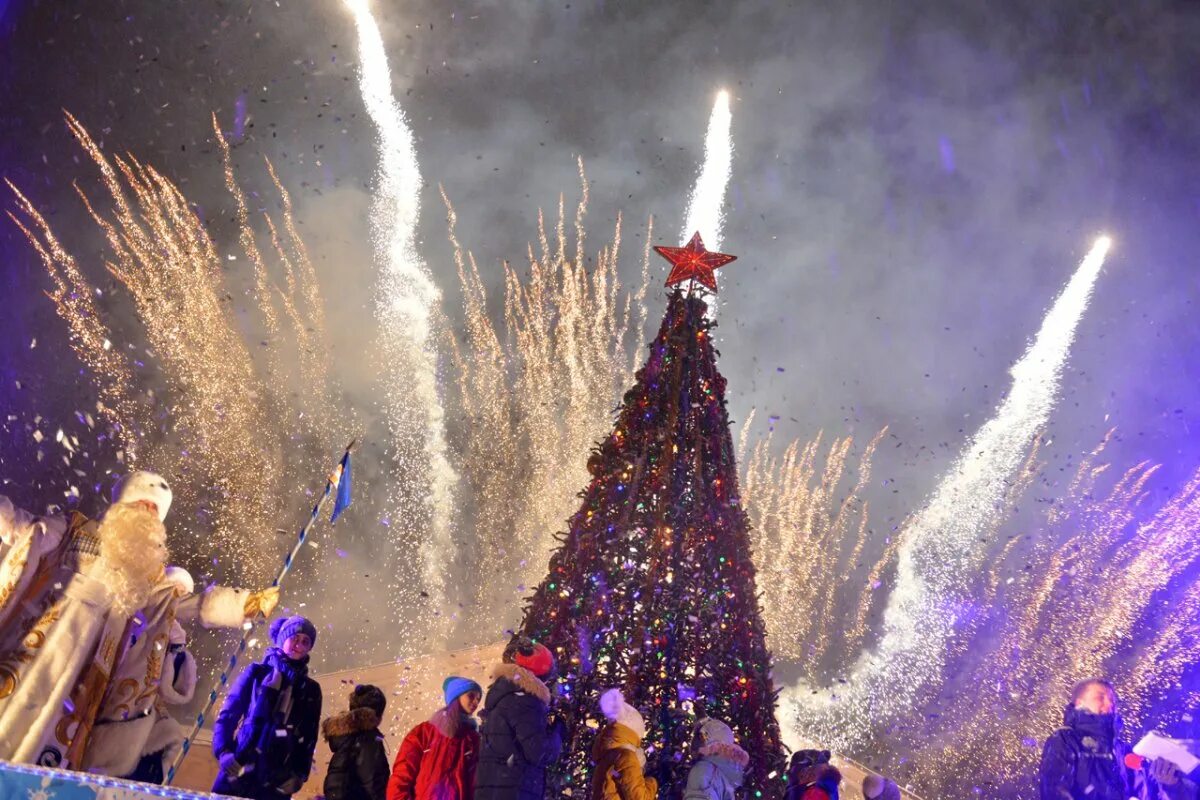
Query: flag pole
(331, 484)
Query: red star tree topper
(693, 262)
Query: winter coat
(272, 742)
(619, 766)
(818, 782)
(358, 769)
(718, 774)
(436, 760)
(1085, 759)
(516, 742)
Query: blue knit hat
(285, 628)
(455, 687)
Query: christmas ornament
(693, 262)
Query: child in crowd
(719, 772)
(812, 777)
(618, 755)
(438, 758)
(266, 732)
(358, 769)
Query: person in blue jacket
(267, 730)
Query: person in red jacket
(437, 759)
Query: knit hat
(367, 696)
(876, 787)
(144, 486)
(285, 628)
(713, 731)
(613, 704)
(455, 687)
(524, 652)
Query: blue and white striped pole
(330, 485)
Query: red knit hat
(537, 659)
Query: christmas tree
(652, 588)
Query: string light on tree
(653, 587)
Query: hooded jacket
(620, 764)
(271, 732)
(1085, 759)
(718, 773)
(517, 744)
(358, 769)
(816, 782)
(437, 761)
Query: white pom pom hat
(613, 704)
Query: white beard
(133, 553)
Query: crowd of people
(93, 652)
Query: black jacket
(1085, 760)
(359, 768)
(251, 726)
(516, 745)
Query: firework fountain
(940, 550)
(706, 204)
(406, 305)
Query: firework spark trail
(74, 301)
(173, 274)
(164, 258)
(940, 551)
(706, 205)
(799, 530)
(262, 285)
(315, 355)
(405, 304)
(310, 287)
(537, 389)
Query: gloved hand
(291, 785)
(262, 602)
(230, 765)
(274, 680)
(1164, 772)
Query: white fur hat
(144, 486)
(713, 731)
(613, 704)
(182, 579)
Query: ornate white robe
(60, 640)
(58, 636)
(134, 704)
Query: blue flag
(342, 501)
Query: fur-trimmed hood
(523, 679)
(358, 720)
(728, 751)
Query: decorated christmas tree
(652, 588)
